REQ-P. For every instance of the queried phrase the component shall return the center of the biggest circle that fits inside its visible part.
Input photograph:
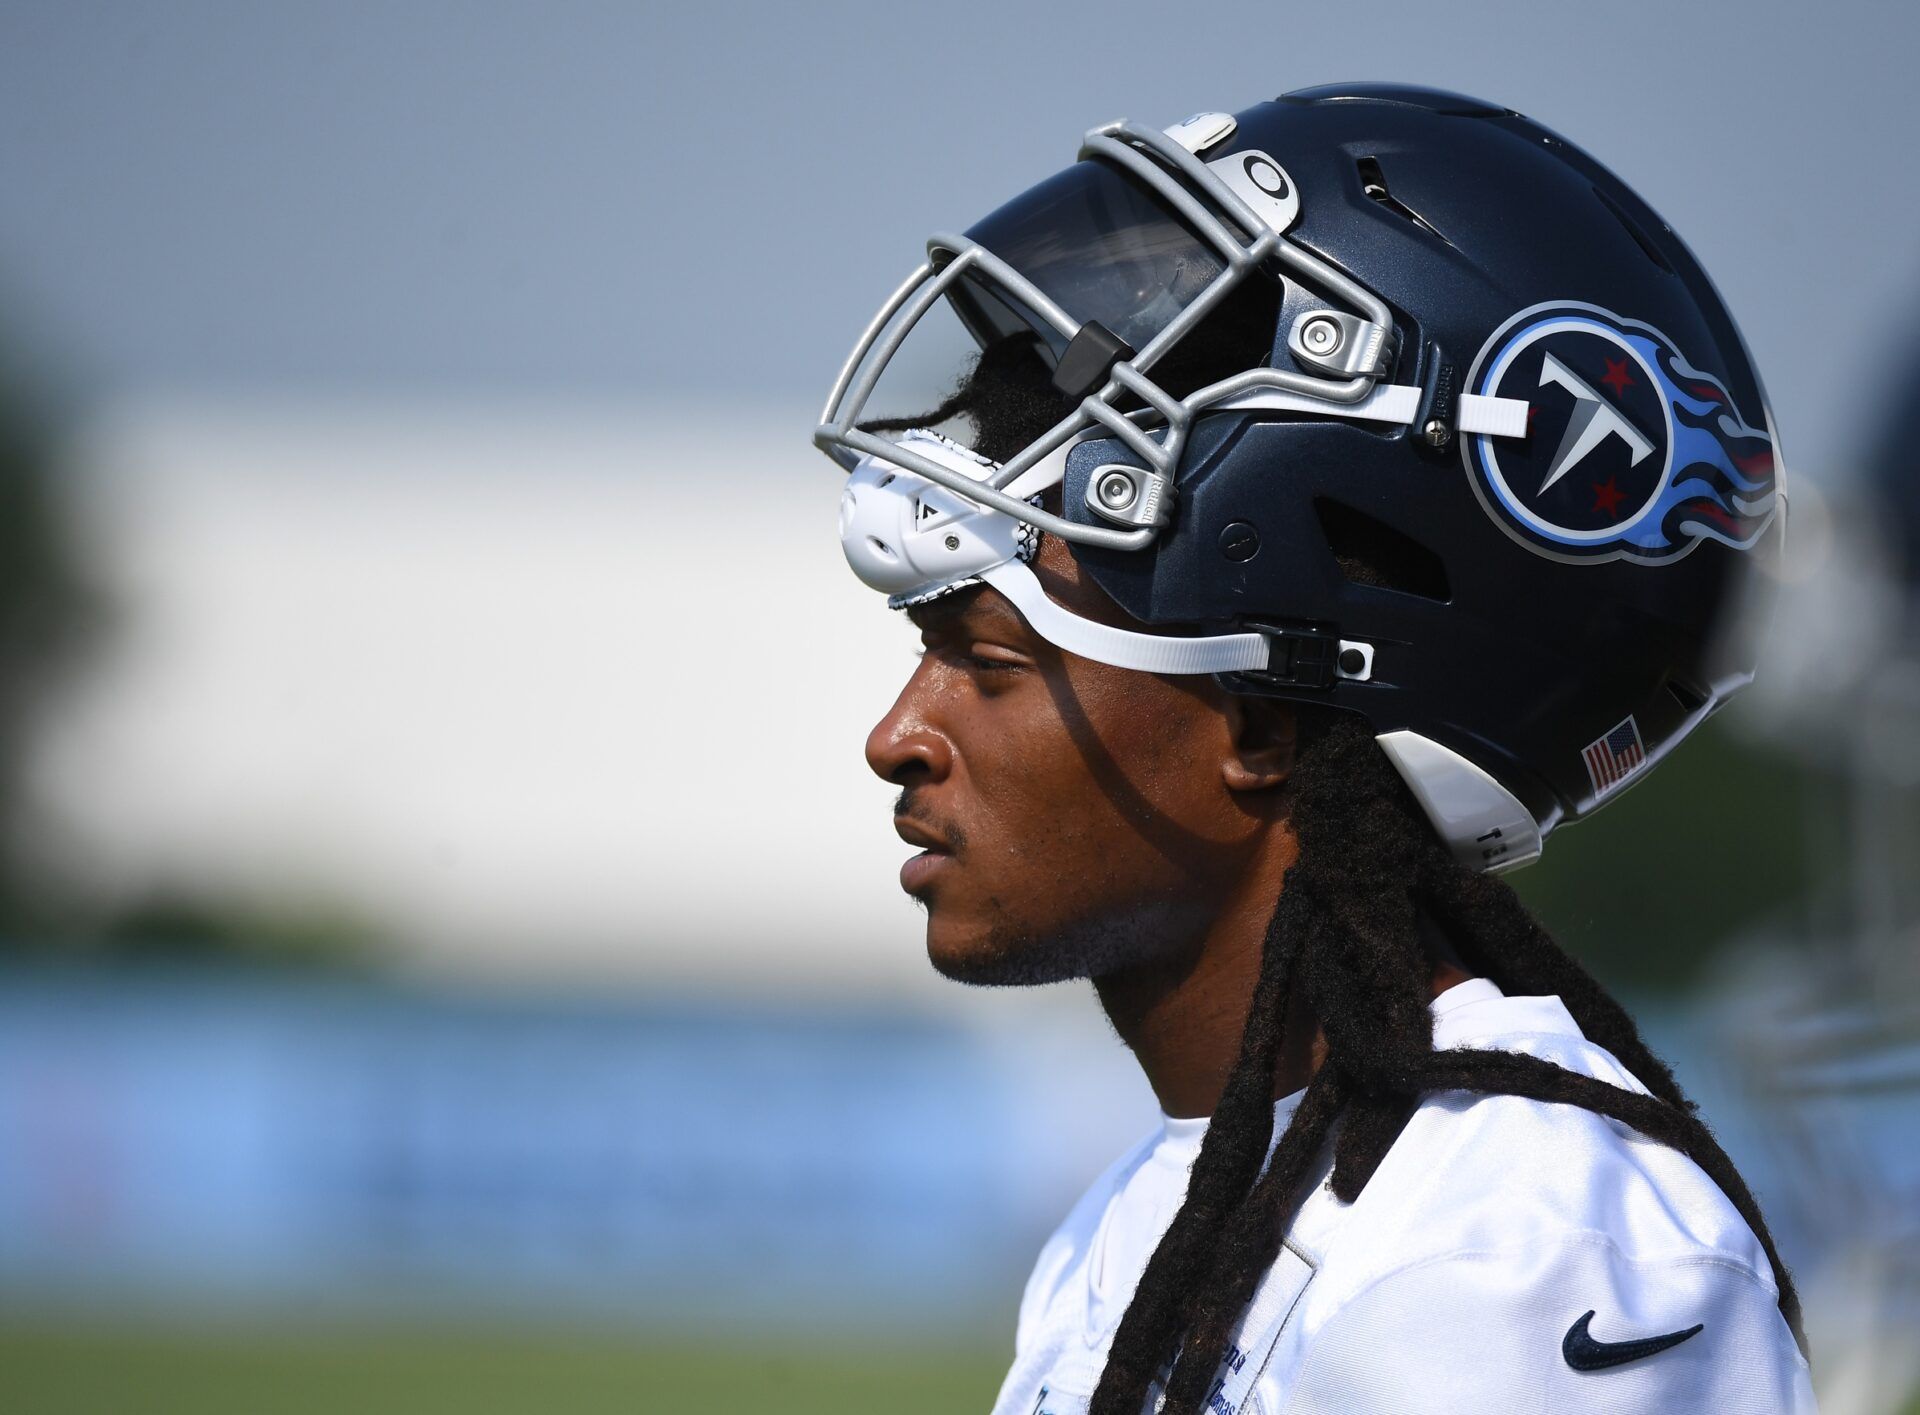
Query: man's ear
(1260, 756)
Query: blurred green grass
(92, 1367)
(128, 1366)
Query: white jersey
(1509, 1255)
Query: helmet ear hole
(1372, 553)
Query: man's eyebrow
(944, 612)
(951, 612)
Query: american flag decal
(1615, 757)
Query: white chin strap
(1474, 413)
(1122, 648)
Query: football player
(1304, 512)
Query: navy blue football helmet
(1375, 398)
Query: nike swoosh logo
(1583, 1353)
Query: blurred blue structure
(234, 1139)
(223, 1139)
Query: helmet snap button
(1240, 541)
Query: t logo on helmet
(1630, 453)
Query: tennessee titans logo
(1629, 453)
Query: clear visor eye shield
(1097, 275)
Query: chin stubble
(1010, 956)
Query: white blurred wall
(569, 690)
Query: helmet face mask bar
(1170, 172)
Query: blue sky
(604, 201)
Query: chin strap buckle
(1298, 656)
(1304, 656)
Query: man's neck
(1183, 1018)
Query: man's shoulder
(1482, 1173)
(1570, 1323)
(1521, 1238)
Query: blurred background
(450, 956)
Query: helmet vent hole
(1690, 698)
(1373, 182)
(1635, 230)
(881, 548)
(1372, 553)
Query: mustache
(907, 806)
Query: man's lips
(914, 833)
(936, 855)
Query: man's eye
(976, 658)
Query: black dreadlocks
(1349, 930)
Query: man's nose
(906, 746)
